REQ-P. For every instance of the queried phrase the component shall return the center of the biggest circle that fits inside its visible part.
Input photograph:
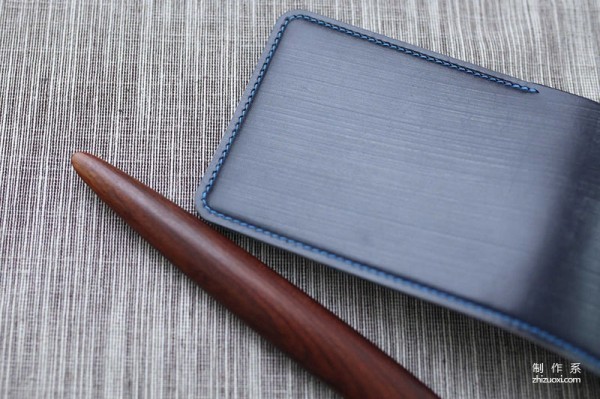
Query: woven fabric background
(87, 309)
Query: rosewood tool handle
(276, 309)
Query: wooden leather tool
(272, 306)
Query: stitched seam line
(509, 320)
(404, 50)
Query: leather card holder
(444, 180)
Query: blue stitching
(512, 321)
(405, 50)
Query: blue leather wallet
(445, 180)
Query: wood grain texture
(268, 303)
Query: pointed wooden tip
(97, 173)
(80, 161)
(103, 178)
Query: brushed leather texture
(442, 179)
